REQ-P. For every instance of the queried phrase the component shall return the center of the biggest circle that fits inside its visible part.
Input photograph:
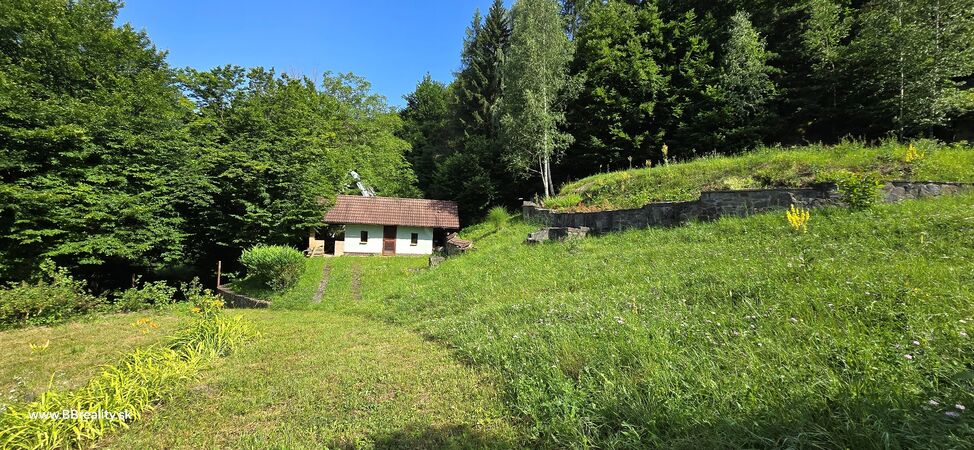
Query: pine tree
(473, 172)
(745, 87)
(689, 63)
(479, 83)
(536, 77)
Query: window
(364, 237)
(414, 239)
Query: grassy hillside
(762, 168)
(736, 333)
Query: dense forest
(115, 164)
(632, 83)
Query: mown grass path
(317, 379)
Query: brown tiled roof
(415, 212)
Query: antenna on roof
(365, 190)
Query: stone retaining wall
(714, 204)
(235, 300)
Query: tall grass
(54, 298)
(133, 386)
(498, 217)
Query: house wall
(353, 244)
(404, 238)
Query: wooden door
(389, 240)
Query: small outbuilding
(392, 226)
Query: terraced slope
(768, 167)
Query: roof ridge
(394, 211)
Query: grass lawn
(765, 167)
(317, 379)
(70, 354)
(348, 278)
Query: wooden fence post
(219, 268)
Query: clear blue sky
(391, 43)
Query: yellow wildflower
(798, 218)
(913, 154)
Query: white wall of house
(353, 242)
(424, 242)
(404, 236)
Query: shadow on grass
(924, 421)
(435, 437)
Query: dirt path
(322, 284)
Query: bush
(150, 295)
(276, 266)
(498, 217)
(859, 191)
(54, 298)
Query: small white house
(392, 226)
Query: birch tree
(536, 77)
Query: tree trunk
(549, 187)
(899, 20)
(544, 178)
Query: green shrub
(498, 217)
(276, 266)
(858, 191)
(149, 295)
(54, 298)
(142, 379)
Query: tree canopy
(115, 164)
(704, 77)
